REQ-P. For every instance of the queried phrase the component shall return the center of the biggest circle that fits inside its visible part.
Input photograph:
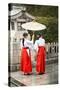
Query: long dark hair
(23, 41)
(24, 35)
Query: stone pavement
(50, 77)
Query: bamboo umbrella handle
(33, 37)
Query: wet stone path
(50, 77)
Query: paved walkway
(50, 76)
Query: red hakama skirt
(26, 65)
(40, 65)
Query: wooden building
(18, 16)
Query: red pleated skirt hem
(26, 65)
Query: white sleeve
(21, 45)
(30, 44)
(36, 45)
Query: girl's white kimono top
(27, 43)
(39, 42)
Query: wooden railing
(52, 49)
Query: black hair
(24, 35)
(41, 35)
(23, 41)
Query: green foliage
(51, 32)
(47, 15)
(41, 10)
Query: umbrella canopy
(33, 26)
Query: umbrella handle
(33, 37)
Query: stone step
(14, 83)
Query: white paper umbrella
(33, 26)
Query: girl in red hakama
(40, 58)
(26, 65)
(40, 65)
